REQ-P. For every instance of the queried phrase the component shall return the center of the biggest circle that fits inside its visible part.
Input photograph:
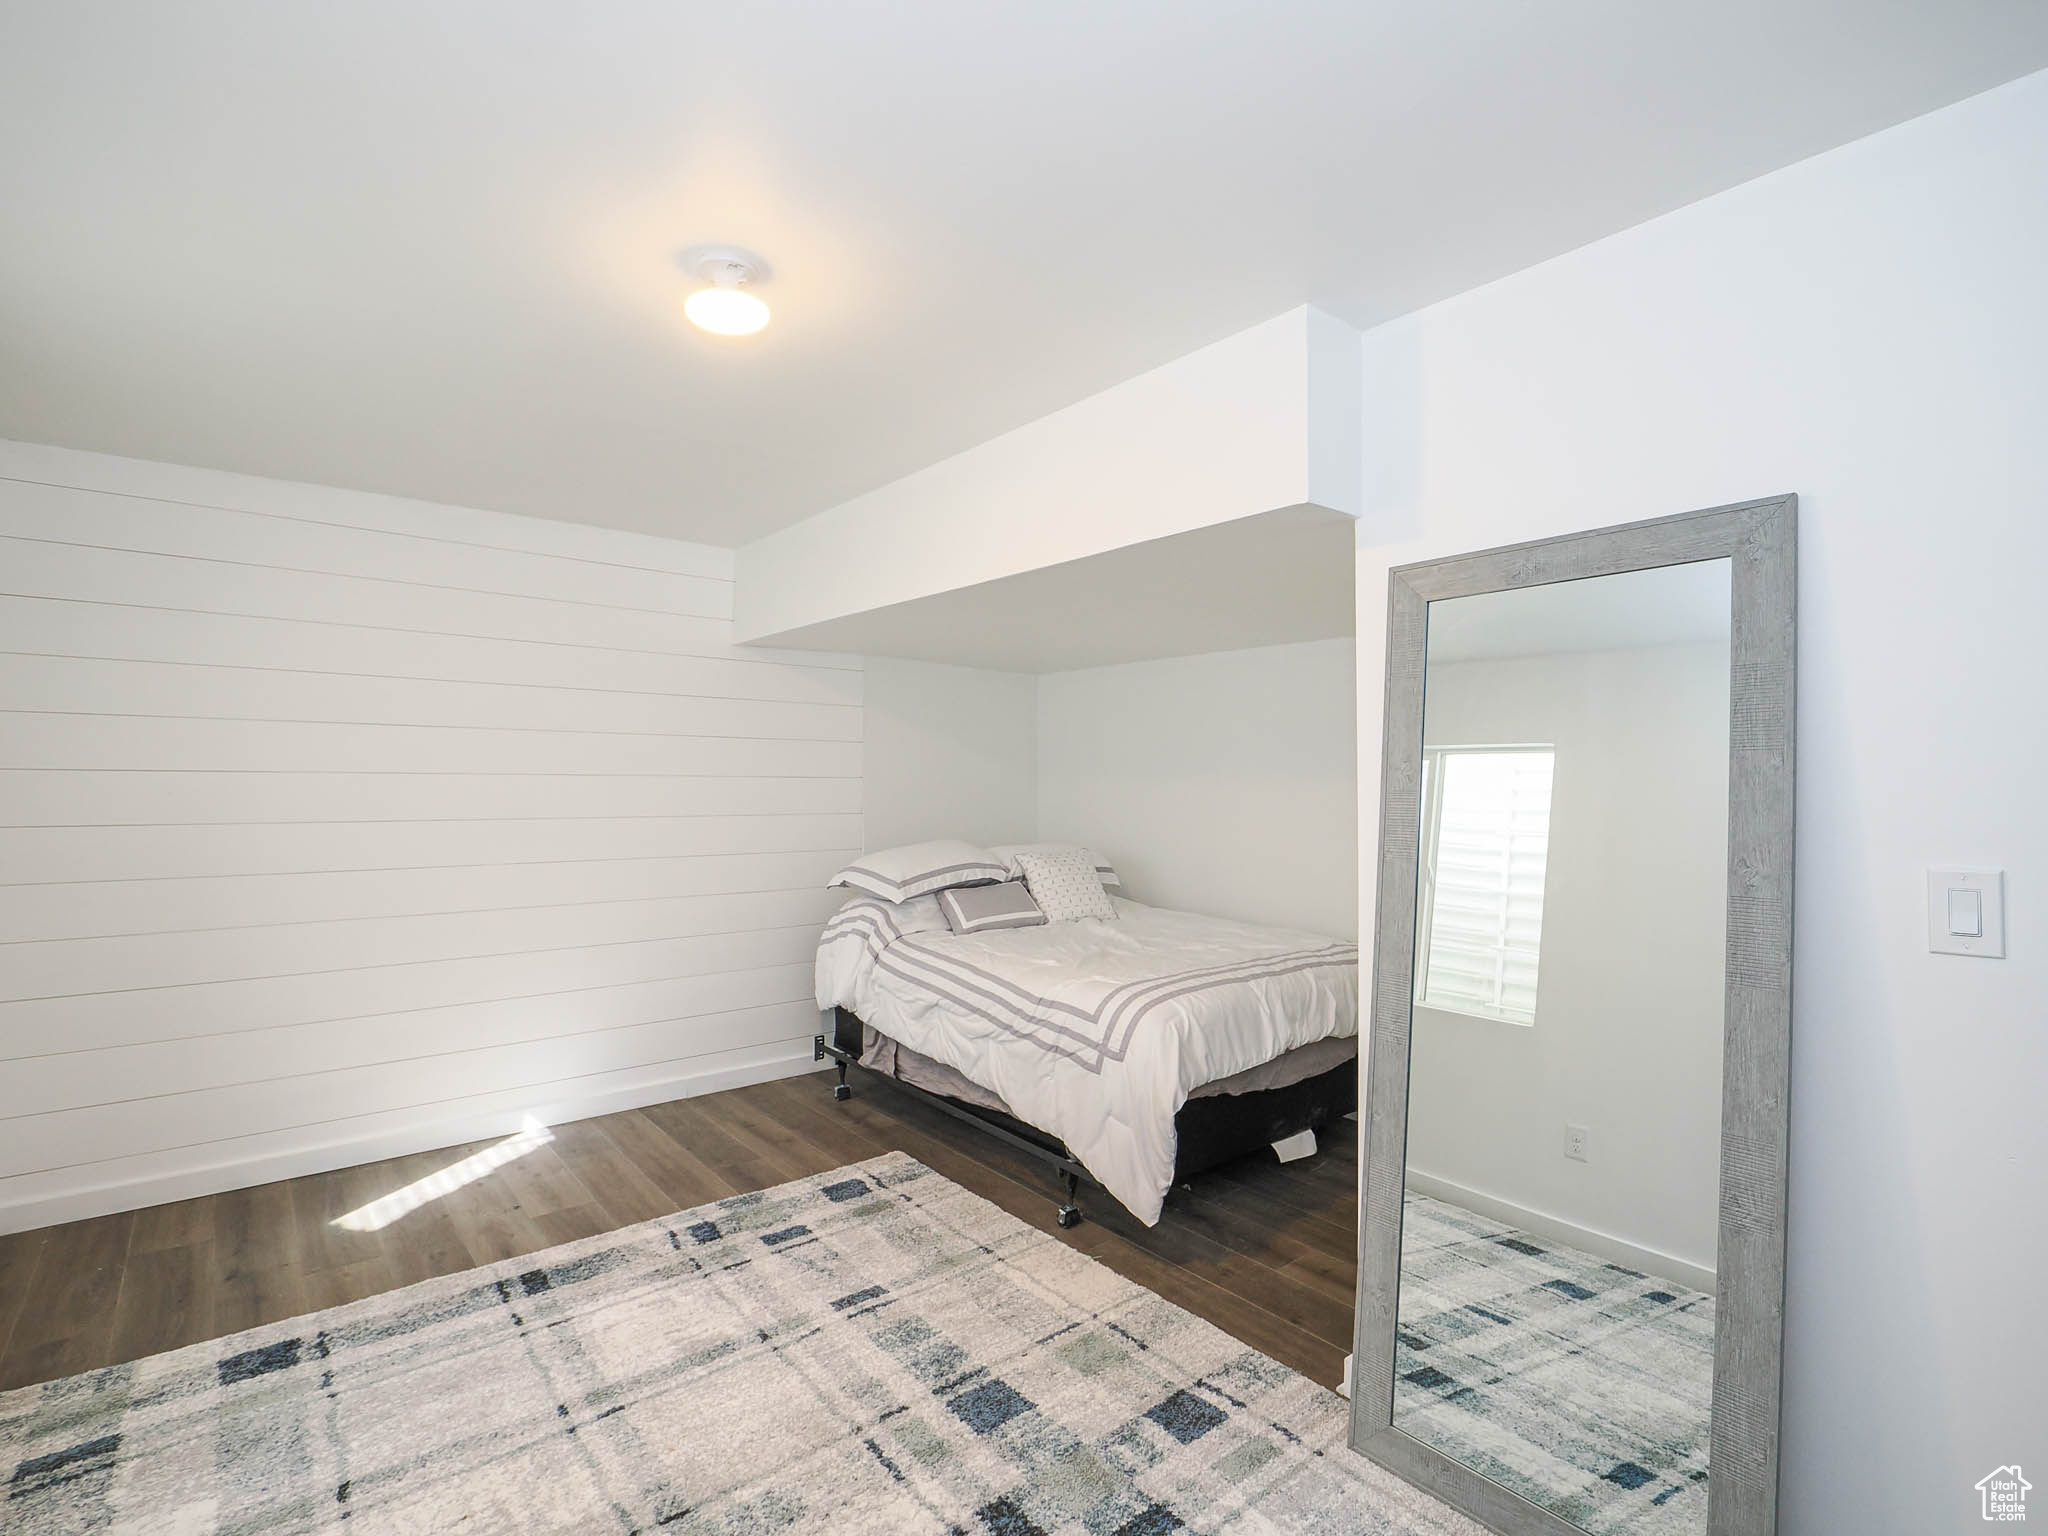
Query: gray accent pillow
(918, 869)
(979, 908)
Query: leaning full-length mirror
(1559, 996)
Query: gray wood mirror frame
(1758, 542)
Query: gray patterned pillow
(1064, 884)
(1007, 852)
(978, 908)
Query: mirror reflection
(1556, 1307)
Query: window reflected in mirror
(1486, 839)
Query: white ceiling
(1670, 605)
(430, 248)
(1270, 579)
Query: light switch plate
(1948, 892)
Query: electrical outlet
(1575, 1143)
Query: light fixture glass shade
(726, 311)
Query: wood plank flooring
(1263, 1250)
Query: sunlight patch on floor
(380, 1213)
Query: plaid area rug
(873, 1350)
(1581, 1385)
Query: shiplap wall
(333, 826)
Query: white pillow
(1008, 852)
(918, 869)
(1064, 884)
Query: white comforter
(1096, 1031)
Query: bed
(1131, 1052)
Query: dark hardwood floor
(1263, 1250)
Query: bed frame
(1209, 1130)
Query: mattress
(1095, 1031)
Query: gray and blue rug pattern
(873, 1350)
(1581, 1385)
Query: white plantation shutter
(1488, 838)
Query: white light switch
(1966, 912)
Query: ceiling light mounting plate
(727, 274)
(724, 265)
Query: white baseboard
(1605, 1245)
(421, 1134)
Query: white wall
(1258, 421)
(333, 826)
(1867, 329)
(1627, 1038)
(1220, 783)
(950, 752)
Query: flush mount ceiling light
(726, 308)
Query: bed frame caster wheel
(841, 1092)
(1070, 1213)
